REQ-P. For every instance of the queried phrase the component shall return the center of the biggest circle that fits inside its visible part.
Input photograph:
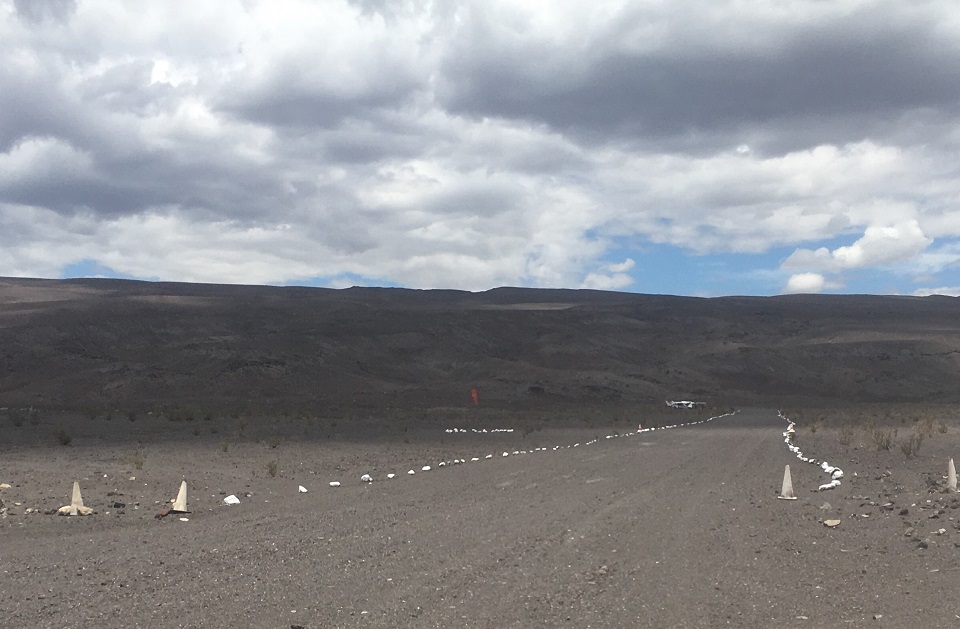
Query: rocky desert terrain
(543, 505)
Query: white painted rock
(366, 478)
(335, 483)
(231, 500)
(411, 472)
(425, 468)
(302, 489)
(391, 475)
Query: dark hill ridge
(126, 344)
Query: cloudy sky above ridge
(657, 146)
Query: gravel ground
(669, 528)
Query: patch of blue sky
(670, 270)
(343, 280)
(92, 268)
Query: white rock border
(366, 478)
(833, 471)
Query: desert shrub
(137, 459)
(882, 439)
(274, 442)
(817, 424)
(272, 468)
(941, 427)
(62, 435)
(846, 435)
(911, 445)
(132, 416)
(224, 446)
(925, 426)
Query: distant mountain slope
(126, 344)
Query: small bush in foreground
(911, 446)
(882, 439)
(846, 435)
(272, 468)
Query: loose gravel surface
(667, 528)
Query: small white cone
(786, 493)
(76, 506)
(180, 504)
(76, 500)
(951, 476)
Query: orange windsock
(475, 396)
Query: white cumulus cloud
(805, 283)
(879, 245)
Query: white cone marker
(180, 504)
(786, 492)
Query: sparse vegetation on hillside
(62, 435)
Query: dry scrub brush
(882, 439)
(63, 435)
(911, 445)
(845, 437)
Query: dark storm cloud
(32, 106)
(294, 94)
(861, 70)
(38, 11)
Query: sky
(729, 147)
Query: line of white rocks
(834, 472)
(479, 430)
(367, 478)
